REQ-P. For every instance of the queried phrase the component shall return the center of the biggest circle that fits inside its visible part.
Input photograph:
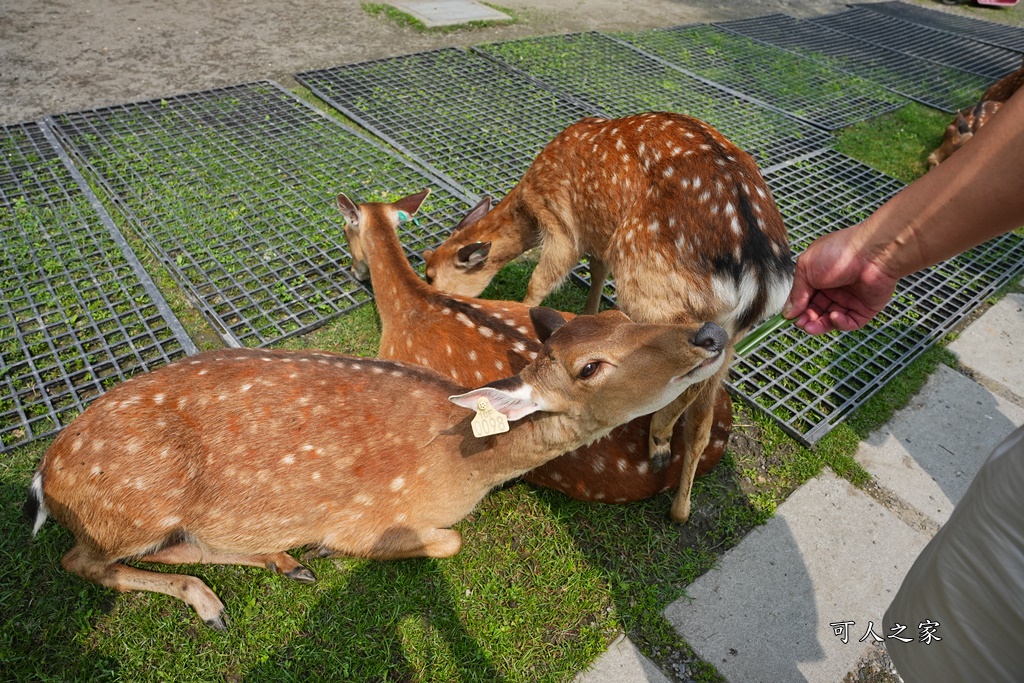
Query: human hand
(836, 287)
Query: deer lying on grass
(679, 215)
(969, 120)
(236, 456)
(478, 340)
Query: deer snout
(361, 270)
(711, 338)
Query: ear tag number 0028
(488, 421)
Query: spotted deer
(678, 214)
(236, 456)
(967, 121)
(479, 340)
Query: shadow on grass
(358, 632)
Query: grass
(543, 582)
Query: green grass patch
(898, 143)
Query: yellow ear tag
(488, 421)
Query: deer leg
(700, 416)
(663, 422)
(598, 275)
(557, 258)
(190, 553)
(93, 566)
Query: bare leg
(92, 566)
(598, 275)
(189, 553)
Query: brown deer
(679, 215)
(969, 120)
(478, 340)
(235, 456)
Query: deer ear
(349, 211)
(475, 214)
(427, 253)
(545, 321)
(513, 398)
(472, 255)
(963, 126)
(412, 203)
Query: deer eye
(589, 369)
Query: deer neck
(529, 443)
(396, 285)
(509, 227)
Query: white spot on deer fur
(499, 365)
(533, 355)
(400, 518)
(735, 225)
(719, 443)
(308, 447)
(446, 311)
(485, 331)
(377, 370)
(522, 330)
(454, 374)
(397, 483)
(519, 347)
(621, 464)
(95, 471)
(158, 399)
(704, 196)
(363, 499)
(316, 476)
(642, 467)
(654, 226)
(288, 459)
(479, 377)
(472, 354)
(464, 319)
(448, 348)
(761, 193)
(696, 183)
(729, 209)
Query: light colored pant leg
(970, 580)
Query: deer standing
(235, 456)
(969, 120)
(679, 215)
(478, 340)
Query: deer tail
(34, 507)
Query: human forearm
(976, 194)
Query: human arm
(845, 278)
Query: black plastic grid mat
(809, 384)
(234, 190)
(919, 79)
(1001, 35)
(921, 41)
(454, 111)
(79, 313)
(799, 86)
(616, 80)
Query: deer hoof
(218, 623)
(302, 575)
(661, 454)
(316, 554)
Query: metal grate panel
(795, 84)
(616, 80)
(921, 41)
(1000, 35)
(78, 313)
(234, 190)
(809, 384)
(938, 86)
(452, 110)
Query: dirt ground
(66, 55)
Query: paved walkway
(832, 553)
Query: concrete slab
(993, 345)
(830, 554)
(448, 12)
(622, 663)
(930, 451)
